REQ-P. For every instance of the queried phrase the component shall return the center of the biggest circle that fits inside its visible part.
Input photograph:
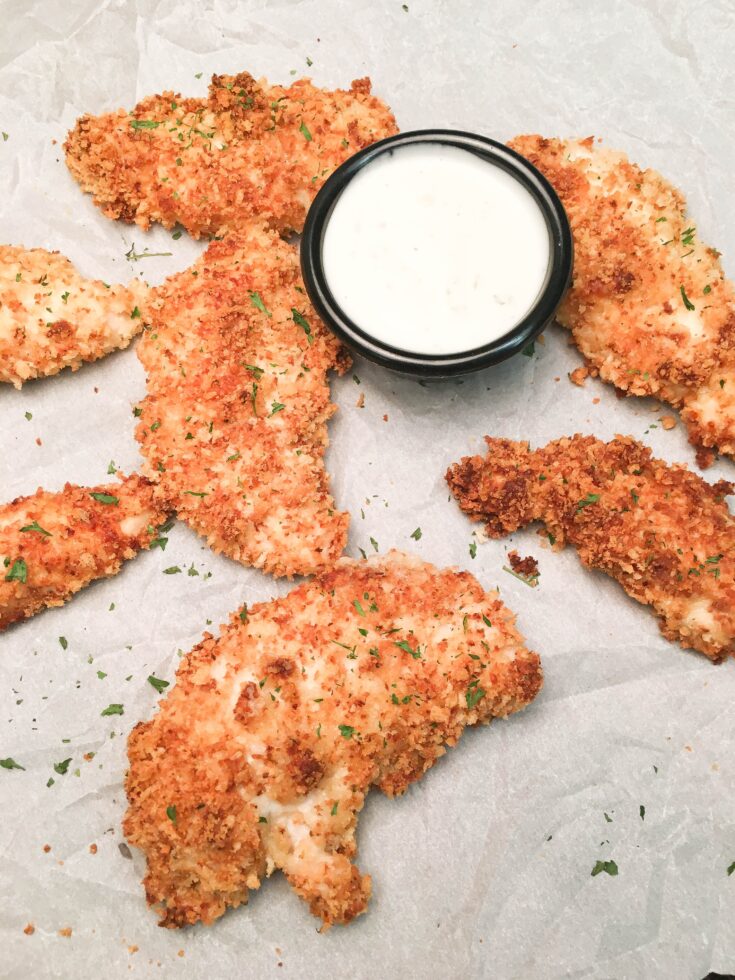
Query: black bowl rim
(462, 362)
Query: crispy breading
(249, 149)
(53, 544)
(663, 532)
(261, 755)
(234, 426)
(52, 318)
(650, 307)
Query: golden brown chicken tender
(664, 533)
(248, 150)
(53, 544)
(52, 318)
(234, 427)
(649, 307)
(262, 754)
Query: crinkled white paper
(483, 868)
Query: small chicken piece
(249, 149)
(52, 318)
(234, 425)
(53, 544)
(262, 754)
(664, 533)
(649, 306)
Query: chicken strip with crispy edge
(233, 428)
(248, 150)
(52, 318)
(650, 307)
(53, 544)
(261, 755)
(663, 532)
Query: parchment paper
(484, 868)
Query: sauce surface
(434, 250)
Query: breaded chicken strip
(649, 307)
(262, 754)
(234, 425)
(52, 318)
(664, 533)
(53, 544)
(248, 149)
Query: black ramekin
(439, 365)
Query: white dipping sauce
(434, 250)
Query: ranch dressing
(434, 250)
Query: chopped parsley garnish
(304, 130)
(473, 694)
(275, 408)
(29, 416)
(156, 682)
(197, 493)
(61, 767)
(101, 674)
(333, 811)
(172, 570)
(63, 642)
(176, 236)
(473, 549)
(35, 526)
(374, 543)
(405, 645)
(687, 302)
(529, 349)
(18, 571)
(358, 607)
(144, 124)
(642, 812)
(346, 731)
(171, 813)
(486, 621)
(729, 870)
(687, 236)
(64, 297)
(591, 498)
(105, 498)
(112, 709)
(256, 300)
(609, 867)
(416, 535)
(707, 290)
(300, 320)
(12, 764)
(713, 559)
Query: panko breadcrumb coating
(261, 755)
(664, 533)
(52, 318)
(53, 544)
(234, 427)
(649, 307)
(249, 149)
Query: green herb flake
(707, 290)
(474, 694)
(609, 867)
(333, 811)
(276, 407)
(18, 572)
(112, 709)
(6, 137)
(300, 320)
(197, 493)
(529, 350)
(61, 767)
(729, 870)
(35, 526)
(176, 236)
(105, 498)
(29, 416)
(101, 674)
(304, 130)
(416, 535)
(591, 498)
(374, 543)
(473, 549)
(486, 621)
(404, 645)
(12, 764)
(171, 813)
(642, 812)
(172, 570)
(144, 124)
(687, 302)
(157, 683)
(63, 642)
(358, 607)
(346, 731)
(257, 301)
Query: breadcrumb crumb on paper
(261, 755)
